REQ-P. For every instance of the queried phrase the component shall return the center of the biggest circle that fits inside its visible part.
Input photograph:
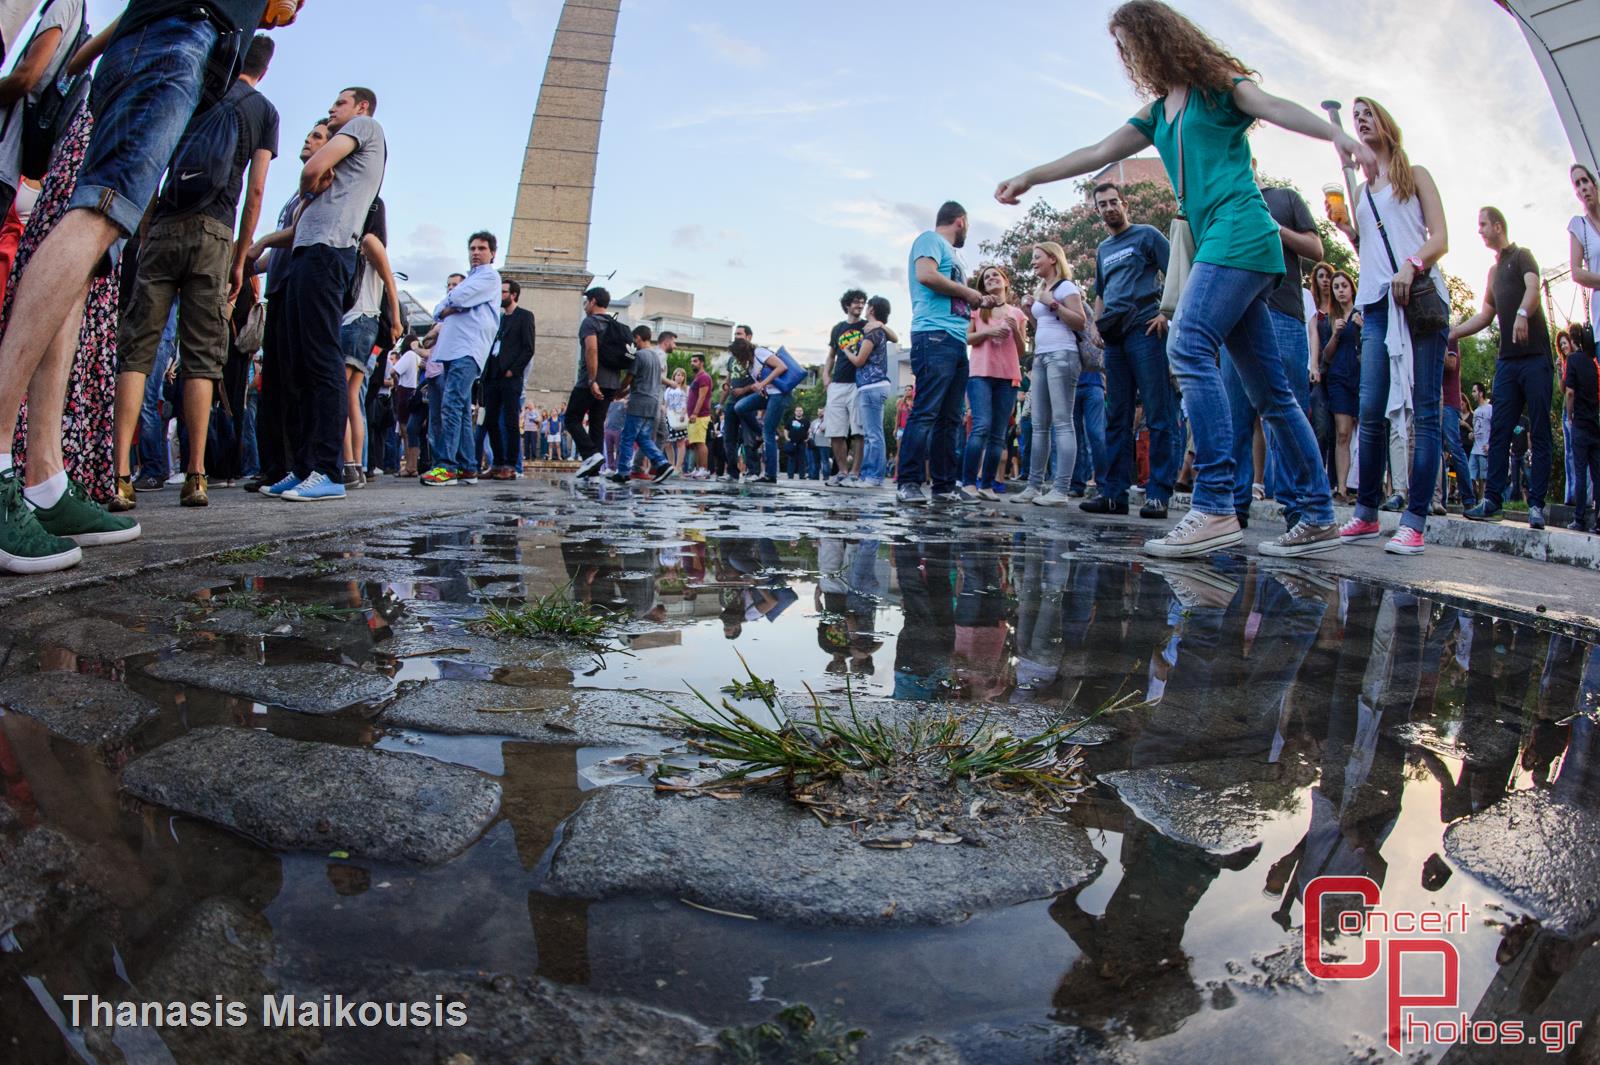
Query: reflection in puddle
(1297, 727)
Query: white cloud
(757, 110)
(735, 50)
(1077, 90)
(817, 155)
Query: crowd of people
(1207, 361)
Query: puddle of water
(1364, 720)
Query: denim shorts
(356, 338)
(1478, 467)
(146, 89)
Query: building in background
(669, 310)
(1129, 172)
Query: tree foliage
(1077, 229)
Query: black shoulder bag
(1426, 310)
(45, 120)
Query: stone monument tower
(549, 249)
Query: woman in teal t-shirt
(1204, 99)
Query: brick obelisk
(549, 248)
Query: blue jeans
(1454, 453)
(869, 403)
(990, 400)
(152, 443)
(452, 443)
(641, 430)
(939, 363)
(1055, 391)
(146, 89)
(1585, 442)
(1089, 422)
(250, 464)
(1566, 437)
(1427, 362)
(1294, 349)
(1225, 305)
(747, 410)
(1136, 368)
(1526, 383)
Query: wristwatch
(1417, 263)
(1521, 313)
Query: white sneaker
(589, 467)
(988, 495)
(1197, 534)
(1053, 498)
(835, 481)
(1027, 495)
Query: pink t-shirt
(998, 357)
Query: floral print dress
(92, 389)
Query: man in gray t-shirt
(343, 179)
(644, 385)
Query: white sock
(5, 461)
(46, 495)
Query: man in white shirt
(469, 318)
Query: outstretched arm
(1121, 143)
(1286, 114)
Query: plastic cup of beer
(282, 12)
(1333, 195)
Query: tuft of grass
(951, 750)
(754, 688)
(272, 609)
(254, 553)
(796, 1036)
(555, 616)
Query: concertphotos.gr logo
(1389, 937)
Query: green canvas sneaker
(25, 546)
(82, 520)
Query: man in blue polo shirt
(941, 307)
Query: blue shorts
(355, 342)
(1478, 467)
(146, 89)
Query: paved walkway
(1504, 565)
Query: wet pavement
(310, 772)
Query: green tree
(1077, 229)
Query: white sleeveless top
(1407, 235)
(1589, 241)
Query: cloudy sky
(767, 156)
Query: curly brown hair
(1161, 48)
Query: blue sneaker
(277, 490)
(1483, 512)
(314, 489)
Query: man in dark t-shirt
(1523, 373)
(839, 414)
(192, 256)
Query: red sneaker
(1357, 529)
(1407, 541)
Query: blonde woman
(997, 337)
(676, 398)
(1402, 371)
(1203, 103)
(1056, 311)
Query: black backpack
(44, 121)
(203, 164)
(615, 343)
